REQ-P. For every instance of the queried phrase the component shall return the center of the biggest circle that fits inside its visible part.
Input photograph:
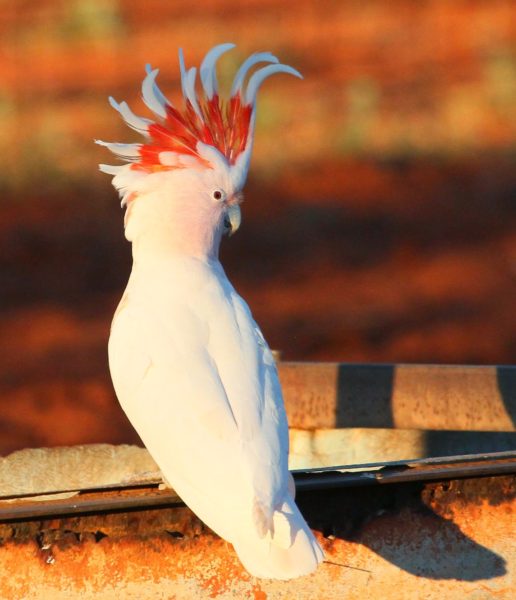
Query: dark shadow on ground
(395, 522)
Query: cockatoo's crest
(182, 138)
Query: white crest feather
(128, 152)
(151, 99)
(110, 169)
(182, 71)
(261, 75)
(190, 90)
(157, 92)
(139, 124)
(125, 181)
(207, 71)
(254, 59)
(188, 83)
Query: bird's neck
(161, 278)
(166, 244)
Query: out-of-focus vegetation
(380, 215)
(382, 79)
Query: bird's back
(198, 382)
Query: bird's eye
(218, 194)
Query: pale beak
(233, 218)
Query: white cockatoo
(189, 364)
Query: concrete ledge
(333, 395)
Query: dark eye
(218, 194)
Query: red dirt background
(379, 222)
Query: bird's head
(182, 186)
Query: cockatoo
(189, 364)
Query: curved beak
(233, 218)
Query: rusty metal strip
(90, 502)
(405, 473)
(146, 496)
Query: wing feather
(202, 401)
(198, 382)
(142, 356)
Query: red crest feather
(172, 140)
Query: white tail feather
(292, 551)
(282, 527)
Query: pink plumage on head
(173, 139)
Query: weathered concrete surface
(357, 445)
(43, 470)
(437, 541)
(331, 395)
(40, 471)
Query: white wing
(199, 385)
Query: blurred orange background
(379, 222)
